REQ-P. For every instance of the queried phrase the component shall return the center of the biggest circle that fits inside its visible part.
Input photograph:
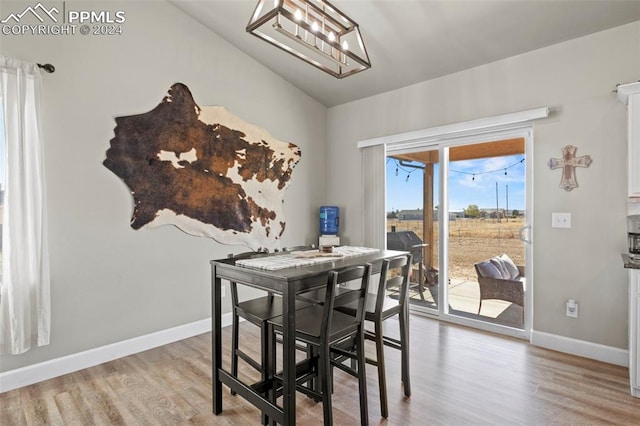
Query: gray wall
(109, 282)
(574, 78)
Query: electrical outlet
(572, 308)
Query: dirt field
(472, 240)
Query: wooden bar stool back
(394, 276)
(327, 336)
(256, 311)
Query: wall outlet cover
(561, 220)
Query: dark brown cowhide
(203, 170)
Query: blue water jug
(329, 220)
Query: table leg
(216, 341)
(289, 355)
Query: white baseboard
(35, 373)
(582, 348)
(31, 374)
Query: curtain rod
(620, 84)
(47, 67)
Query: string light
(473, 174)
(399, 167)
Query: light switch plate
(561, 220)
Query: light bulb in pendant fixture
(314, 27)
(332, 36)
(297, 15)
(345, 45)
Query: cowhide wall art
(204, 170)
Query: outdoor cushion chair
(500, 278)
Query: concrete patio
(464, 298)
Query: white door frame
(505, 126)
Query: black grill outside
(406, 241)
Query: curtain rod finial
(47, 67)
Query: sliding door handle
(525, 234)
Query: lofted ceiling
(410, 41)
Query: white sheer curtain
(24, 298)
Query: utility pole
(507, 211)
(497, 210)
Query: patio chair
(500, 278)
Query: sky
(470, 182)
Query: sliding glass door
(460, 206)
(412, 212)
(486, 205)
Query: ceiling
(410, 41)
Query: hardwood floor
(459, 377)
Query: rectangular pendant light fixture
(314, 31)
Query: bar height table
(287, 282)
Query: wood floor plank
(460, 376)
(124, 387)
(38, 406)
(72, 408)
(11, 411)
(107, 407)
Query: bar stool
(326, 338)
(380, 308)
(256, 311)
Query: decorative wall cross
(569, 162)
